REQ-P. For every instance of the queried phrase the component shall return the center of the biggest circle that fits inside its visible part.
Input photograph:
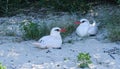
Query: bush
(114, 35)
(118, 1)
(69, 29)
(84, 59)
(2, 67)
(32, 30)
(112, 23)
(10, 7)
(65, 5)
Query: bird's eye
(83, 21)
(57, 30)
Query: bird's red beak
(63, 30)
(77, 22)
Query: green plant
(33, 30)
(69, 6)
(84, 59)
(69, 29)
(112, 23)
(118, 1)
(10, 7)
(2, 67)
(114, 35)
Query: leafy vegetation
(114, 35)
(11, 7)
(69, 29)
(32, 30)
(117, 1)
(66, 5)
(2, 67)
(112, 23)
(84, 59)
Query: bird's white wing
(41, 42)
(48, 41)
(92, 29)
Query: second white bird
(85, 28)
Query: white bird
(85, 28)
(53, 40)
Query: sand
(24, 55)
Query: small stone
(58, 65)
(29, 61)
(12, 60)
(48, 51)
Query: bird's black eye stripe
(57, 30)
(41, 41)
(83, 21)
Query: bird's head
(57, 30)
(82, 21)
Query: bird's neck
(56, 35)
(84, 24)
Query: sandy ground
(23, 55)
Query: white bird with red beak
(53, 40)
(85, 28)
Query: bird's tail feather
(94, 23)
(36, 44)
